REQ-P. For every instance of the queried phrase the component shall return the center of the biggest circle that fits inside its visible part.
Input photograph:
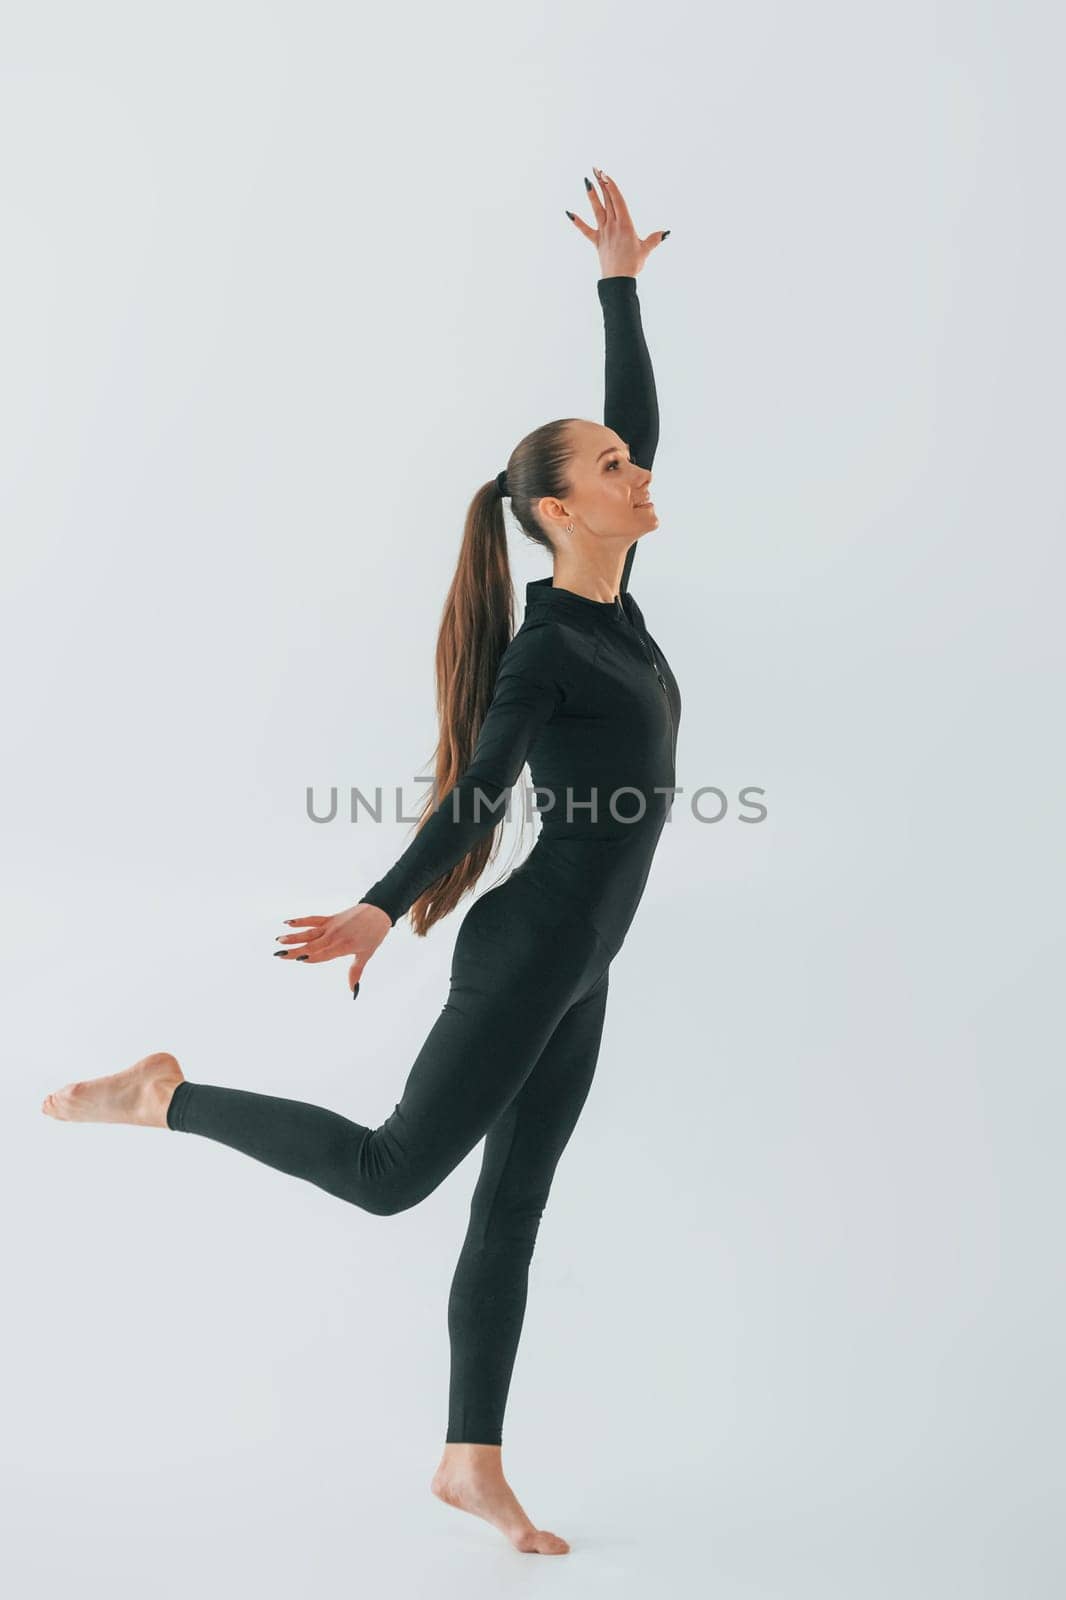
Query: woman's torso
(604, 767)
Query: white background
(281, 286)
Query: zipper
(620, 610)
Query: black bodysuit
(587, 697)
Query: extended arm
(527, 691)
(630, 404)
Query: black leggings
(511, 1059)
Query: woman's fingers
(617, 197)
(618, 231)
(609, 207)
(322, 950)
(326, 938)
(309, 945)
(315, 926)
(355, 971)
(599, 211)
(590, 233)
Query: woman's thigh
(524, 1144)
(519, 970)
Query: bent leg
(464, 1074)
(487, 1304)
(305, 1140)
(510, 986)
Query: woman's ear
(552, 515)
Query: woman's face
(610, 497)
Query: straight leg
(487, 1304)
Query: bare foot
(470, 1478)
(140, 1095)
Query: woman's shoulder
(544, 648)
(534, 637)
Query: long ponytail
(477, 625)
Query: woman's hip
(518, 941)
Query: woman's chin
(643, 519)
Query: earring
(569, 527)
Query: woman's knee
(402, 1186)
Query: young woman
(585, 694)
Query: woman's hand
(621, 250)
(356, 932)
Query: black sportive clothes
(586, 695)
(583, 693)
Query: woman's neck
(600, 581)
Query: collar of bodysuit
(543, 595)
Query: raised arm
(528, 689)
(630, 404)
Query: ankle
(474, 1458)
(161, 1094)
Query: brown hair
(477, 625)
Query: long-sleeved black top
(585, 694)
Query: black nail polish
(279, 952)
(666, 231)
(587, 184)
(355, 991)
(301, 958)
(570, 214)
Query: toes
(538, 1541)
(552, 1544)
